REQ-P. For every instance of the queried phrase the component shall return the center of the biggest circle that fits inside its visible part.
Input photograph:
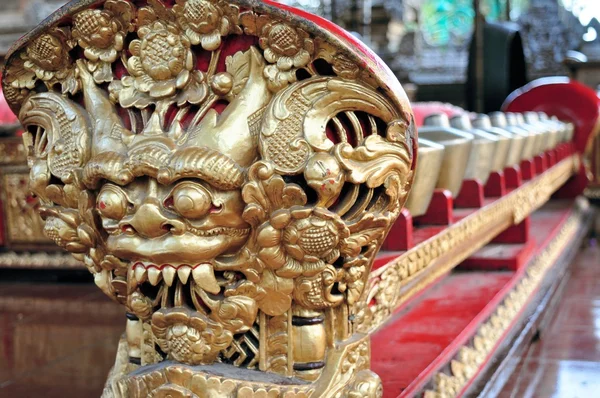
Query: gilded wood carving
(228, 172)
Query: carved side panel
(24, 226)
(226, 170)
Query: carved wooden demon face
(218, 169)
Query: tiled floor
(565, 361)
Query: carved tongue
(204, 276)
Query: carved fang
(184, 273)
(154, 276)
(141, 274)
(204, 277)
(169, 275)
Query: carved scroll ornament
(228, 172)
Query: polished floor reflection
(56, 340)
(565, 361)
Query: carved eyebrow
(213, 167)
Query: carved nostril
(128, 229)
(173, 226)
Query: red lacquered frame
(570, 101)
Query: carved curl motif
(211, 174)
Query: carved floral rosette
(227, 171)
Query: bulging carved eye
(191, 200)
(112, 202)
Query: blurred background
(427, 43)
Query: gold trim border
(393, 284)
(466, 365)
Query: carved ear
(347, 139)
(56, 130)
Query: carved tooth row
(202, 274)
(233, 232)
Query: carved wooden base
(347, 374)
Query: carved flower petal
(41, 74)
(211, 41)
(285, 63)
(313, 268)
(268, 237)
(331, 256)
(144, 30)
(295, 251)
(104, 73)
(301, 213)
(181, 315)
(291, 269)
(134, 66)
(127, 81)
(159, 320)
(263, 43)
(280, 219)
(175, 66)
(197, 322)
(270, 55)
(163, 89)
(160, 72)
(179, 330)
(224, 27)
(189, 61)
(301, 59)
(199, 348)
(135, 47)
(194, 93)
(273, 257)
(193, 36)
(144, 83)
(109, 55)
(119, 42)
(91, 53)
(183, 79)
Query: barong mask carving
(227, 171)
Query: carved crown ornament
(227, 170)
